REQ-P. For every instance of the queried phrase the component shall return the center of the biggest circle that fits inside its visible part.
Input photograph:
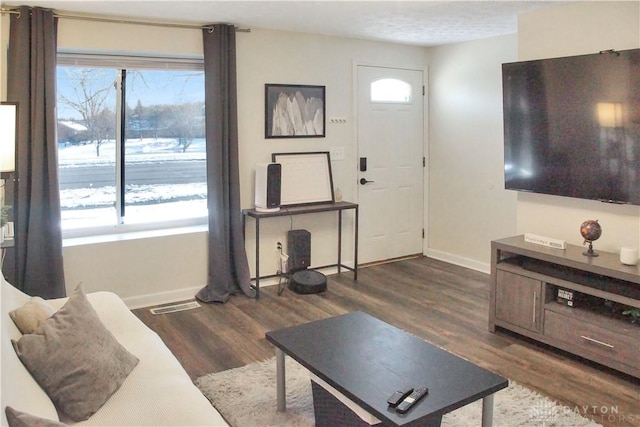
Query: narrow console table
(301, 210)
(528, 295)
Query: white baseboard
(151, 300)
(458, 260)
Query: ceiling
(416, 22)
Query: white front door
(391, 143)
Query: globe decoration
(590, 231)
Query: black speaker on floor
(268, 184)
(299, 249)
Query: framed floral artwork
(294, 111)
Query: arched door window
(391, 90)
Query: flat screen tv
(572, 126)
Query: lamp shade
(8, 114)
(610, 114)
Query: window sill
(132, 235)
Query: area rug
(246, 397)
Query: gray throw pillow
(75, 359)
(22, 419)
(31, 315)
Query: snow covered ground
(145, 203)
(137, 150)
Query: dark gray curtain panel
(31, 82)
(228, 266)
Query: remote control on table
(411, 400)
(398, 397)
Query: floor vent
(176, 307)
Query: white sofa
(157, 392)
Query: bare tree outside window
(187, 121)
(92, 89)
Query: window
(391, 90)
(131, 143)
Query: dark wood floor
(444, 304)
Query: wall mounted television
(572, 126)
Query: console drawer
(595, 341)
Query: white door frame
(425, 146)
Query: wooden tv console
(525, 279)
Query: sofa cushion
(30, 316)
(163, 392)
(75, 359)
(22, 419)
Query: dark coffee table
(367, 360)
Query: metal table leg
(355, 255)
(339, 241)
(280, 385)
(487, 411)
(257, 258)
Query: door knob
(364, 181)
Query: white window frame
(118, 62)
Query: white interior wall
(468, 206)
(576, 29)
(164, 268)
(144, 270)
